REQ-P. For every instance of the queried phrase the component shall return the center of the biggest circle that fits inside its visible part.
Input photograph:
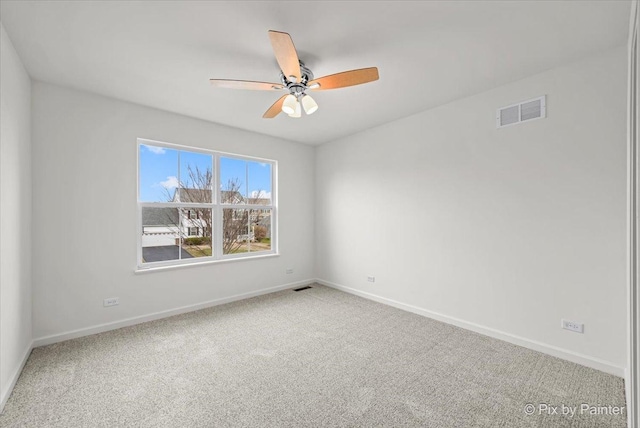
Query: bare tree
(235, 222)
(198, 190)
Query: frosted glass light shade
(289, 104)
(297, 112)
(309, 104)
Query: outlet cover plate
(111, 301)
(573, 326)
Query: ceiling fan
(296, 79)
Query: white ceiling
(162, 53)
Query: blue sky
(159, 172)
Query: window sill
(142, 270)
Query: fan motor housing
(298, 87)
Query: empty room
(319, 214)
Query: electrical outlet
(111, 301)
(573, 326)
(371, 278)
(289, 271)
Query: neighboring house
(194, 222)
(260, 217)
(231, 197)
(159, 226)
(257, 218)
(266, 223)
(164, 226)
(192, 195)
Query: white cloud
(155, 149)
(260, 194)
(170, 183)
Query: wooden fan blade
(286, 54)
(275, 109)
(346, 78)
(245, 84)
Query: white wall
(15, 215)
(84, 219)
(506, 230)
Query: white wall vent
(522, 112)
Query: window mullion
(248, 206)
(218, 218)
(179, 210)
(176, 205)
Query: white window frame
(216, 206)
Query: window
(199, 205)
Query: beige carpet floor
(313, 358)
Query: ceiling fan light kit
(297, 111)
(309, 104)
(289, 105)
(296, 79)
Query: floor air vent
(302, 288)
(522, 112)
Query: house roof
(159, 216)
(192, 195)
(231, 197)
(259, 201)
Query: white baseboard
(14, 377)
(54, 338)
(574, 357)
